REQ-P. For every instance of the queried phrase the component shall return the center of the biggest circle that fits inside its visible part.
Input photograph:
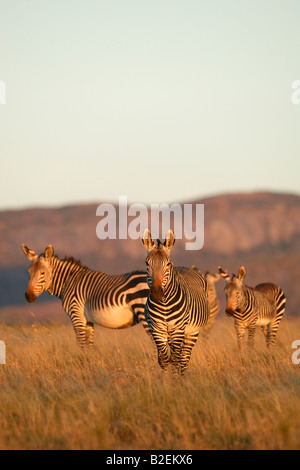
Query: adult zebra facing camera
(177, 305)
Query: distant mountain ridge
(260, 230)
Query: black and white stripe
(88, 297)
(177, 305)
(263, 306)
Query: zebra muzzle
(30, 297)
(230, 312)
(157, 293)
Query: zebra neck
(62, 272)
(173, 285)
(212, 293)
(244, 299)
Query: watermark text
(2, 353)
(2, 92)
(296, 94)
(187, 221)
(296, 354)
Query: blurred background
(165, 101)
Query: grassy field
(53, 396)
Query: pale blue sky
(161, 101)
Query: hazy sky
(161, 101)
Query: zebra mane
(72, 260)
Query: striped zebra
(250, 307)
(177, 305)
(213, 300)
(88, 296)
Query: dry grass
(115, 397)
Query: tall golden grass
(53, 396)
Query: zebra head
(158, 263)
(40, 272)
(233, 290)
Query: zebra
(213, 300)
(88, 297)
(177, 305)
(250, 307)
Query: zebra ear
(224, 274)
(30, 254)
(49, 251)
(170, 240)
(147, 239)
(242, 273)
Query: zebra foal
(88, 296)
(177, 305)
(250, 307)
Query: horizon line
(65, 205)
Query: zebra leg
(79, 325)
(176, 343)
(251, 335)
(189, 342)
(89, 338)
(240, 332)
(272, 331)
(163, 350)
(80, 332)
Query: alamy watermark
(131, 221)
(296, 94)
(296, 354)
(2, 353)
(2, 92)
